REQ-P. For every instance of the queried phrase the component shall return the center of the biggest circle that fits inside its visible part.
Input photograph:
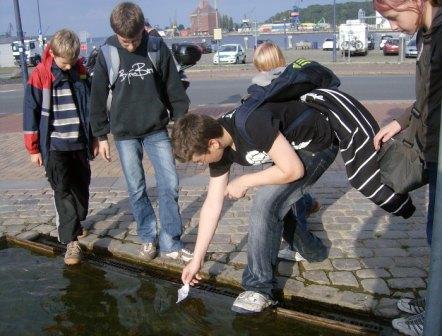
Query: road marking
(5, 91)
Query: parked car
(230, 53)
(205, 47)
(391, 47)
(411, 49)
(384, 39)
(328, 44)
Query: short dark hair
(191, 135)
(127, 19)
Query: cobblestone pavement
(374, 257)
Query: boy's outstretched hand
(37, 159)
(190, 273)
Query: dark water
(41, 296)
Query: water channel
(39, 295)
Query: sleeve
(262, 128)
(221, 167)
(404, 118)
(31, 113)
(176, 96)
(99, 92)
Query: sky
(92, 16)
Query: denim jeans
(158, 148)
(270, 206)
(432, 177)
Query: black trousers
(69, 174)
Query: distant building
(203, 19)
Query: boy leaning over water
(57, 134)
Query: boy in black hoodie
(137, 118)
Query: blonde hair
(268, 56)
(65, 43)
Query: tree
(181, 27)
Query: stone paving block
(290, 287)
(390, 252)
(323, 265)
(13, 230)
(346, 264)
(117, 233)
(381, 243)
(133, 239)
(44, 228)
(288, 269)
(14, 221)
(101, 225)
(375, 286)
(413, 242)
(221, 248)
(343, 279)
(238, 238)
(127, 249)
(316, 276)
(54, 233)
(359, 252)
(386, 308)
(361, 301)
(238, 258)
(421, 262)
(374, 273)
(220, 257)
(404, 283)
(29, 235)
(320, 293)
(89, 240)
(107, 244)
(407, 272)
(418, 251)
(335, 252)
(377, 262)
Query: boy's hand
(190, 273)
(37, 159)
(104, 150)
(95, 147)
(385, 134)
(235, 189)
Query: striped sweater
(38, 107)
(355, 129)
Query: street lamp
(21, 47)
(334, 30)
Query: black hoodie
(428, 89)
(140, 94)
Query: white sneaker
(148, 251)
(182, 255)
(411, 306)
(411, 325)
(249, 302)
(288, 254)
(73, 253)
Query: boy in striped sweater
(57, 134)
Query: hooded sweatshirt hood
(264, 78)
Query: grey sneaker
(411, 306)
(148, 251)
(182, 255)
(288, 254)
(411, 325)
(250, 302)
(73, 253)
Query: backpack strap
(153, 51)
(112, 59)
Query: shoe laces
(250, 296)
(148, 247)
(73, 248)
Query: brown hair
(127, 20)
(191, 135)
(385, 5)
(268, 56)
(65, 43)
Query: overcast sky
(93, 15)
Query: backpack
(112, 59)
(298, 78)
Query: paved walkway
(374, 257)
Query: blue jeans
(270, 206)
(158, 148)
(432, 177)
